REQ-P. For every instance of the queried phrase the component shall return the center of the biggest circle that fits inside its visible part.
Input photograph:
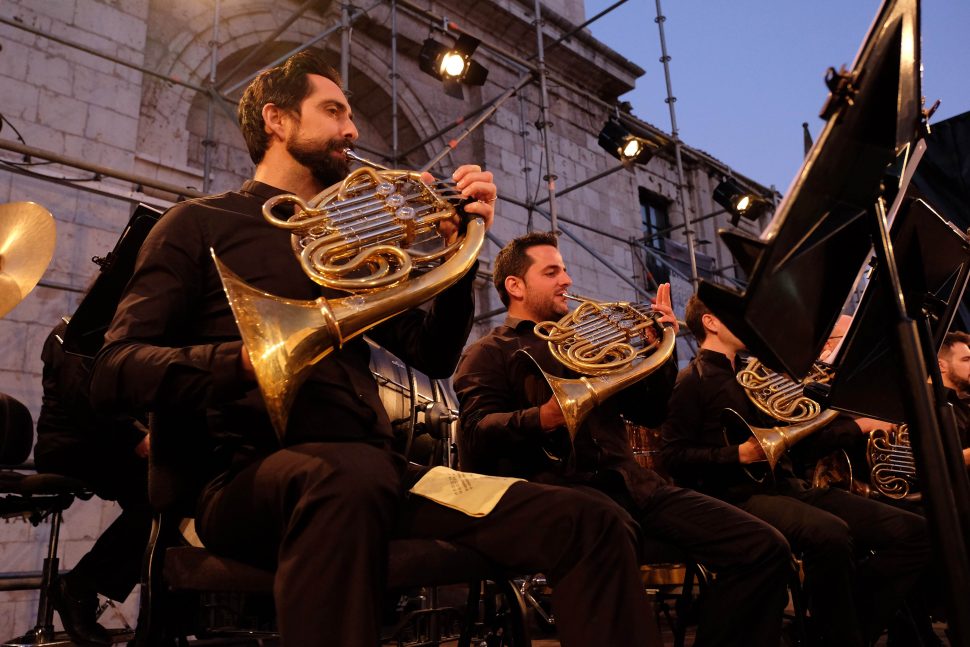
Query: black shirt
(174, 343)
(699, 455)
(961, 410)
(500, 391)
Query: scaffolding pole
(526, 169)
(544, 122)
(345, 21)
(394, 76)
(97, 169)
(208, 143)
(675, 136)
(502, 98)
(589, 180)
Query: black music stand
(812, 253)
(933, 262)
(85, 331)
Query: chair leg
(684, 603)
(152, 629)
(515, 614)
(43, 631)
(471, 614)
(800, 633)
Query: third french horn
(783, 399)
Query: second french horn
(612, 345)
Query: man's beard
(326, 167)
(546, 309)
(961, 385)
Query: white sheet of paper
(473, 494)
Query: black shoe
(78, 612)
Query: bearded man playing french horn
(513, 425)
(318, 500)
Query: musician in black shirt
(954, 361)
(320, 504)
(511, 424)
(110, 456)
(860, 557)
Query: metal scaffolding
(532, 70)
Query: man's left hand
(662, 304)
(475, 183)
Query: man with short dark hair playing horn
(852, 592)
(512, 425)
(954, 360)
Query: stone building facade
(66, 89)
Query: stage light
(738, 202)
(453, 66)
(616, 140)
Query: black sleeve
(139, 368)
(684, 430)
(431, 339)
(645, 402)
(492, 416)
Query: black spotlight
(453, 66)
(738, 202)
(618, 142)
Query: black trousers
(752, 562)
(112, 470)
(860, 557)
(322, 514)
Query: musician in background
(954, 360)
(843, 433)
(320, 504)
(851, 599)
(110, 456)
(512, 425)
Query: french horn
(365, 235)
(612, 345)
(782, 398)
(892, 469)
(779, 396)
(891, 463)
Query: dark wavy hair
(285, 86)
(513, 260)
(694, 313)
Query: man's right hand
(751, 452)
(550, 415)
(247, 364)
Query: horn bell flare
(284, 339)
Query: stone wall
(90, 108)
(74, 104)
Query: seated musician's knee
(344, 476)
(829, 536)
(583, 523)
(771, 548)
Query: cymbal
(27, 239)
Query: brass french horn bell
(775, 441)
(27, 239)
(363, 236)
